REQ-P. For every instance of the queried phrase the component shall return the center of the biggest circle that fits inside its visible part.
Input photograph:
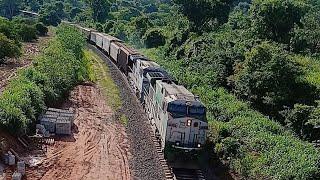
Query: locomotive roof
(146, 64)
(136, 57)
(178, 92)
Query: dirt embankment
(98, 148)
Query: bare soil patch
(98, 148)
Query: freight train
(177, 116)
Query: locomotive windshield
(181, 109)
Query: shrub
(8, 48)
(154, 38)
(42, 30)
(253, 145)
(54, 74)
(27, 32)
(21, 103)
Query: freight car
(177, 116)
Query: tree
(7, 28)
(10, 8)
(303, 120)
(100, 9)
(42, 30)
(34, 5)
(307, 37)
(50, 18)
(200, 12)
(268, 78)
(142, 24)
(8, 48)
(154, 38)
(275, 19)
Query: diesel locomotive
(176, 115)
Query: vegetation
(7, 48)
(12, 32)
(100, 74)
(255, 64)
(54, 73)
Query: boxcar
(93, 37)
(123, 58)
(114, 50)
(99, 40)
(107, 39)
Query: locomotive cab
(182, 121)
(187, 124)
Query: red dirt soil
(98, 148)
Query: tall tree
(275, 19)
(201, 12)
(100, 9)
(9, 8)
(268, 78)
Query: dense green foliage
(54, 73)
(7, 48)
(15, 31)
(154, 38)
(42, 30)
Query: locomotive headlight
(177, 143)
(189, 122)
(199, 145)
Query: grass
(100, 74)
(124, 120)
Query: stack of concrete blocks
(58, 121)
(16, 176)
(21, 167)
(43, 130)
(9, 159)
(48, 120)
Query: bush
(8, 48)
(255, 146)
(27, 33)
(28, 102)
(54, 74)
(42, 30)
(154, 38)
(268, 78)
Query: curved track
(144, 163)
(148, 160)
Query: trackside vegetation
(54, 73)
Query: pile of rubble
(10, 160)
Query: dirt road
(99, 147)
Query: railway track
(170, 173)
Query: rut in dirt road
(99, 148)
